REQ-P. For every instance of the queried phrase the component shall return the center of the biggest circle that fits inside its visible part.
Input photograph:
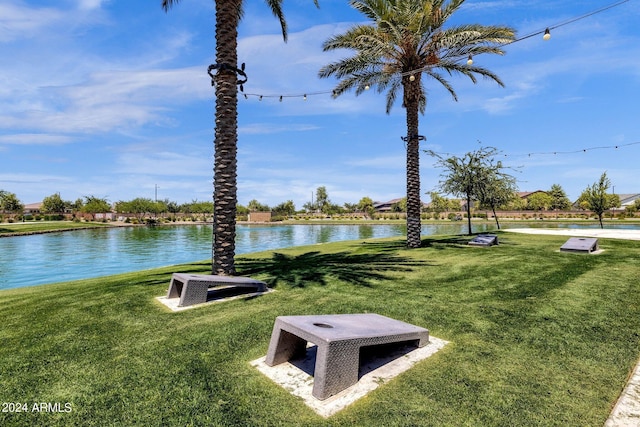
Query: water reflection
(46, 258)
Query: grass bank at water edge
(537, 337)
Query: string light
(583, 150)
(546, 35)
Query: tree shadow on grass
(450, 241)
(317, 268)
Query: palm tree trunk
(226, 139)
(411, 92)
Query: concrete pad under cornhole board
(581, 245)
(296, 376)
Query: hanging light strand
(558, 152)
(469, 59)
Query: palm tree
(404, 41)
(228, 15)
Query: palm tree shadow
(317, 268)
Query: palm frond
(392, 94)
(436, 76)
(167, 4)
(408, 36)
(276, 9)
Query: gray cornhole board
(580, 244)
(194, 288)
(484, 240)
(339, 339)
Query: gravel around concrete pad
(626, 413)
(296, 375)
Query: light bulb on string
(412, 74)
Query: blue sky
(111, 98)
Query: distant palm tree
(228, 15)
(405, 40)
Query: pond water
(58, 257)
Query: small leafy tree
(172, 207)
(596, 199)
(285, 209)
(559, 199)
(9, 202)
(439, 204)
(366, 205)
(475, 176)
(321, 203)
(93, 205)
(139, 207)
(517, 203)
(332, 208)
(539, 201)
(350, 207)
(77, 205)
(256, 206)
(197, 207)
(53, 204)
(497, 189)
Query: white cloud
(109, 101)
(383, 162)
(90, 4)
(164, 163)
(35, 139)
(270, 128)
(18, 21)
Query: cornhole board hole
(339, 338)
(194, 288)
(580, 244)
(484, 240)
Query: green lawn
(537, 338)
(32, 227)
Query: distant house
(526, 194)
(32, 208)
(627, 200)
(383, 207)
